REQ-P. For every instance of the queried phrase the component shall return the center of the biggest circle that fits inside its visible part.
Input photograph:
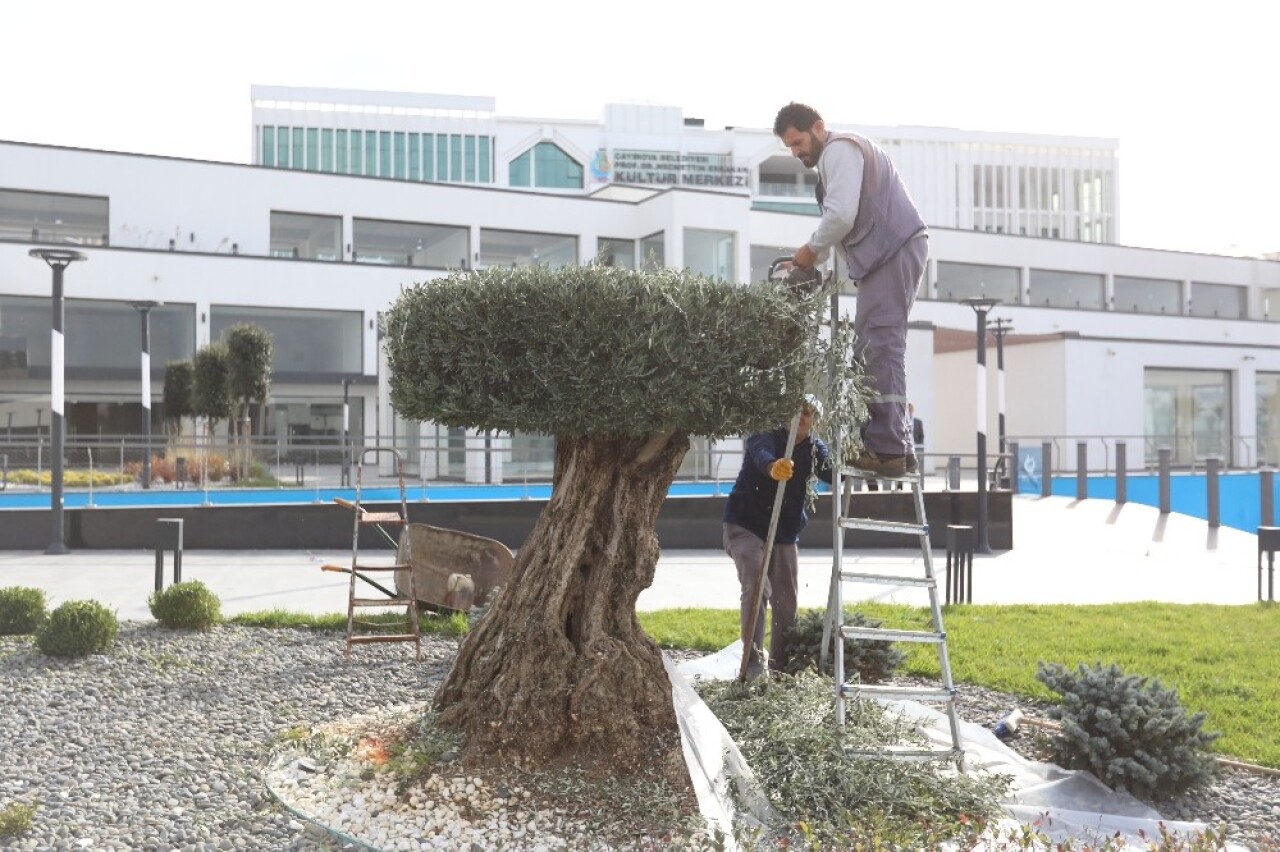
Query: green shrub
(21, 610)
(188, 605)
(1129, 731)
(16, 818)
(873, 661)
(77, 629)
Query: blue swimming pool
(1239, 495)
(277, 496)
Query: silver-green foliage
(77, 629)
(788, 735)
(1128, 730)
(600, 350)
(870, 661)
(22, 610)
(188, 605)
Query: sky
(1188, 91)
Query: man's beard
(815, 152)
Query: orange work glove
(782, 470)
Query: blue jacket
(750, 504)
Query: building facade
(351, 196)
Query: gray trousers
(781, 584)
(885, 297)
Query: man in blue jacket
(746, 528)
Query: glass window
(326, 151)
(1147, 295)
(101, 339)
(307, 344)
(268, 146)
(442, 157)
(554, 169)
(1268, 417)
(1217, 300)
(282, 147)
(297, 161)
(484, 160)
(653, 251)
(615, 252)
(357, 151)
(762, 257)
(415, 156)
(1188, 411)
(1054, 289)
(303, 236)
(384, 154)
(428, 157)
(400, 170)
(709, 253)
(51, 217)
(341, 139)
(958, 281)
(455, 157)
(410, 243)
(532, 454)
(313, 149)
(371, 153)
(525, 248)
(520, 170)
(470, 159)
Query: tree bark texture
(559, 671)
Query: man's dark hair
(799, 116)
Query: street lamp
(144, 309)
(1000, 327)
(981, 305)
(58, 260)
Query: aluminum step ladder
(833, 623)
(403, 593)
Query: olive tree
(249, 357)
(621, 367)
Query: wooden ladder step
(381, 518)
(885, 634)
(899, 693)
(380, 601)
(399, 567)
(887, 579)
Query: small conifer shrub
(1128, 730)
(16, 818)
(873, 661)
(77, 629)
(21, 610)
(188, 605)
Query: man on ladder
(867, 211)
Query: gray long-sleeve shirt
(840, 171)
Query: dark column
(58, 260)
(981, 306)
(1122, 473)
(144, 310)
(1165, 456)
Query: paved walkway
(1065, 551)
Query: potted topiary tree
(249, 356)
(621, 367)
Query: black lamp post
(1000, 327)
(981, 305)
(58, 260)
(144, 309)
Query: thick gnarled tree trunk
(559, 671)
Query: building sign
(668, 168)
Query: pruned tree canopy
(249, 355)
(599, 350)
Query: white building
(353, 195)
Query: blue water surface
(1239, 495)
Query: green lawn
(1223, 660)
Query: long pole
(1001, 328)
(982, 544)
(346, 421)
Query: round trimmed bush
(21, 610)
(77, 629)
(188, 605)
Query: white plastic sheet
(1061, 804)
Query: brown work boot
(886, 465)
